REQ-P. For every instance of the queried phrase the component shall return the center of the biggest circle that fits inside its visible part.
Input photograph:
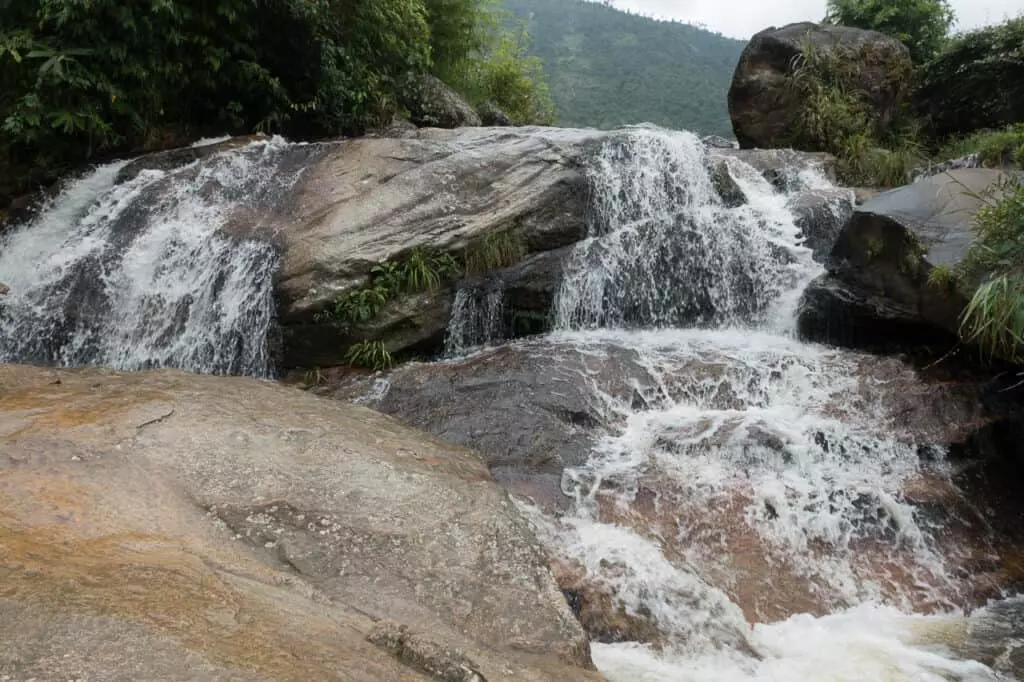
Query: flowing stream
(754, 477)
(140, 274)
(748, 501)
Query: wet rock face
(765, 108)
(879, 266)
(236, 529)
(781, 167)
(821, 215)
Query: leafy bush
(994, 147)
(975, 83)
(840, 121)
(369, 354)
(921, 25)
(81, 79)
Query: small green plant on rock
(942, 276)
(994, 318)
(424, 269)
(369, 354)
(495, 250)
(314, 377)
(874, 246)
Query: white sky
(743, 18)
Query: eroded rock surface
(169, 526)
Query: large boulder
(334, 211)
(765, 107)
(167, 525)
(878, 284)
(432, 104)
(366, 202)
(821, 215)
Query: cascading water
(477, 319)
(767, 458)
(142, 274)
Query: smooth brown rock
(172, 526)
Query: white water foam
(868, 643)
(477, 319)
(664, 251)
(736, 417)
(140, 274)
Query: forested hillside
(606, 67)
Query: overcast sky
(743, 18)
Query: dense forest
(84, 80)
(606, 67)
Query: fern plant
(369, 354)
(360, 305)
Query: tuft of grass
(495, 250)
(994, 317)
(424, 269)
(993, 147)
(874, 246)
(314, 377)
(369, 354)
(942, 277)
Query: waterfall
(144, 273)
(664, 251)
(477, 319)
(748, 437)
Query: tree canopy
(922, 25)
(80, 79)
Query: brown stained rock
(600, 613)
(226, 528)
(529, 410)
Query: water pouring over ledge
(742, 477)
(140, 274)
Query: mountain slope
(607, 67)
